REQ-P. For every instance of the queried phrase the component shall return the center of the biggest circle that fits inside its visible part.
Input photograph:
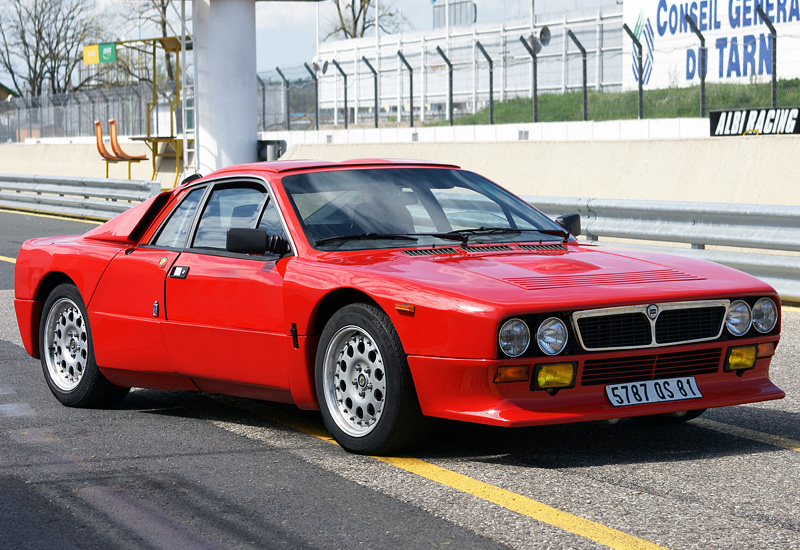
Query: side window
(175, 231)
(228, 207)
(271, 222)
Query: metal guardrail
(94, 198)
(740, 226)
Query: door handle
(179, 272)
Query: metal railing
(729, 228)
(93, 198)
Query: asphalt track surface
(188, 470)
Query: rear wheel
(67, 353)
(364, 385)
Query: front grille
(615, 331)
(634, 326)
(650, 367)
(679, 325)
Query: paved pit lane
(174, 469)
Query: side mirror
(243, 240)
(570, 222)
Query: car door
(225, 311)
(127, 306)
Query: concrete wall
(619, 159)
(79, 157)
(753, 169)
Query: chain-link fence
(73, 114)
(580, 63)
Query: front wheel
(67, 353)
(364, 385)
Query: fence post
(491, 81)
(263, 103)
(701, 65)
(316, 94)
(638, 67)
(344, 76)
(285, 86)
(532, 53)
(410, 89)
(774, 37)
(375, 79)
(449, 84)
(583, 55)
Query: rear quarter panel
(44, 263)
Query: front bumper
(463, 389)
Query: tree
(355, 17)
(157, 14)
(42, 42)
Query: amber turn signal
(511, 373)
(766, 349)
(741, 358)
(555, 375)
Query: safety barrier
(767, 229)
(94, 198)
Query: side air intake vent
(429, 251)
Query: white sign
(738, 43)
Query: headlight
(514, 337)
(552, 336)
(739, 318)
(765, 315)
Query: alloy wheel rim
(354, 381)
(67, 341)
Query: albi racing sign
(755, 121)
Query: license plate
(653, 391)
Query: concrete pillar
(227, 93)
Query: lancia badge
(652, 311)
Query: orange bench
(118, 154)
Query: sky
(286, 31)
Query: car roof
(283, 166)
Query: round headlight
(514, 337)
(552, 336)
(765, 315)
(739, 318)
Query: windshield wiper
(366, 237)
(464, 234)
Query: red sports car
(383, 293)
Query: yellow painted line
(515, 502)
(761, 437)
(7, 259)
(583, 527)
(793, 309)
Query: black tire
(670, 418)
(364, 385)
(67, 353)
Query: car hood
(583, 276)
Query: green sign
(108, 53)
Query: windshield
(381, 208)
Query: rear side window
(176, 230)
